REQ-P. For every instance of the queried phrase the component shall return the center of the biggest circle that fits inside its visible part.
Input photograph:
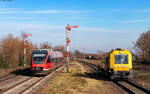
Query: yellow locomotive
(119, 64)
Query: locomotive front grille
(38, 69)
(121, 73)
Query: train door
(48, 62)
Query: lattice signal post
(25, 45)
(68, 29)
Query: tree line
(142, 47)
(11, 50)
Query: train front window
(121, 58)
(39, 58)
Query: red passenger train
(44, 60)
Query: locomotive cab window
(121, 58)
(39, 58)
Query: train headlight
(115, 66)
(127, 66)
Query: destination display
(39, 55)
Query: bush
(11, 51)
(142, 46)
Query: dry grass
(73, 83)
(65, 83)
(142, 74)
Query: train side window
(59, 60)
(54, 60)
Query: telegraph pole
(25, 45)
(68, 29)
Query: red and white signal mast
(25, 45)
(68, 29)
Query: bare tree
(142, 46)
(101, 55)
(78, 54)
(11, 51)
(46, 45)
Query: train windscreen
(121, 59)
(39, 56)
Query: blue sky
(103, 24)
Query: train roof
(118, 49)
(54, 54)
(42, 49)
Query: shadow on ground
(23, 72)
(95, 72)
(26, 72)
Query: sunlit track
(127, 86)
(44, 80)
(126, 89)
(94, 67)
(26, 86)
(7, 89)
(131, 88)
(6, 77)
(138, 86)
(30, 85)
(17, 89)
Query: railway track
(131, 87)
(138, 86)
(25, 85)
(126, 86)
(6, 77)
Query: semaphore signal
(68, 29)
(25, 45)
